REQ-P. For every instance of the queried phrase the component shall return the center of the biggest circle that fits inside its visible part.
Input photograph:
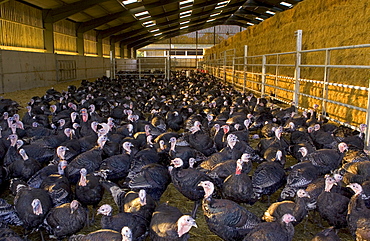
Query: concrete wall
(26, 70)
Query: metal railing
(279, 76)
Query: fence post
(297, 70)
(245, 67)
(367, 141)
(326, 81)
(225, 66)
(263, 75)
(233, 73)
(139, 68)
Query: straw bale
(325, 23)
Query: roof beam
(96, 22)
(169, 29)
(122, 27)
(122, 36)
(63, 12)
(175, 32)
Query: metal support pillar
(367, 135)
(263, 75)
(80, 43)
(49, 37)
(99, 46)
(245, 67)
(225, 67)
(297, 70)
(326, 81)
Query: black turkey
(273, 231)
(137, 224)
(358, 213)
(104, 234)
(226, 218)
(66, 219)
(186, 182)
(170, 224)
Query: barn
(264, 101)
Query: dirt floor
(304, 231)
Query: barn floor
(304, 231)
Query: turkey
(238, 186)
(132, 202)
(332, 206)
(299, 176)
(328, 234)
(23, 168)
(327, 159)
(104, 234)
(65, 219)
(137, 224)
(58, 186)
(32, 205)
(273, 231)
(90, 160)
(153, 178)
(170, 224)
(268, 177)
(358, 213)
(298, 208)
(224, 217)
(89, 190)
(186, 182)
(7, 234)
(222, 170)
(8, 214)
(117, 167)
(200, 141)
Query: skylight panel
(289, 5)
(260, 19)
(250, 23)
(223, 3)
(141, 13)
(185, 16)
(183, 27)
(215, 14)
(185, 2)
(154, 30)
(185, 22)
(210, 20)
(270, 12)
(157, 34)
(127, 2)
(185, 12)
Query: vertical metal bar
(196, 49)
(225, 56)
(326, 81)
(245, 67)
(277, 74)
(139, 59)
(367, 141)
(111, 63)
(297, 70)
(263, 75)
(233, 68)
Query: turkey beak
(193, 224)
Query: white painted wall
(26, 70)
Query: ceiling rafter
(117, 38)
(127, 26)
(199, 22)
(175, 31)
(63, 12)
